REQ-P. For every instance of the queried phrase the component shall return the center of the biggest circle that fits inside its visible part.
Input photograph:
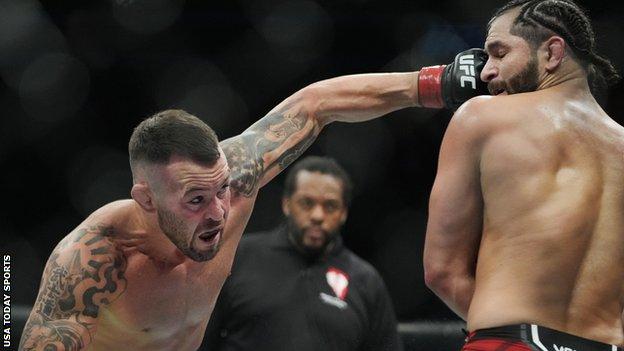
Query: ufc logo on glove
(449, 86)
(466, 65)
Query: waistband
(542, 338)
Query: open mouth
(498, 91)
(210, 237)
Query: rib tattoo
(276, 140)
(84, 272)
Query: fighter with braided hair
(539, 20)
(526, 217)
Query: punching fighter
(526, 216)
(144, 273)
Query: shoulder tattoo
(84, 272)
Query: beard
(173, 227)
(296, 235)
(525, 81)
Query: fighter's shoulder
(115, 211)
(88, 235)
(89, 247)
(87, 259)
(116, 215)
(98, 235)
(484, 114)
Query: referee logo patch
(338, 281)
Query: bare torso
(100, 294)
(164, 306)
(552, 249)
(160, 310)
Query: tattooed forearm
(269, 146)
(295, 151)
(272, 143)
(84, 272)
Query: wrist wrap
(430, 86)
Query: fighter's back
(552, 179)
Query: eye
(306, 203)
(223, 190)
(331, 206)
(197, 200)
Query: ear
(554, 52)
(343, 218)
(142, 194)
(286, 206)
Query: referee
(297, 287)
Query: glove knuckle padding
(461, 79)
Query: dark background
(77, 76)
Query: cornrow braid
(539, 19)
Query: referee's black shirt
(277, 299)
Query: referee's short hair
(323, 165)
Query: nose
(489, 71)
(317, 215)
(215, 210)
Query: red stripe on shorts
(495, 345)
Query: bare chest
(168, 302)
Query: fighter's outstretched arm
(273, 142)
(83, 273)
(456, 212)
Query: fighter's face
(512, 66)
(316, 210)
(192, 203)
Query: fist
(450, 86)
(461, 79)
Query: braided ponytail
(606, 68)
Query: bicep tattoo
(84, 272)
(276, 140)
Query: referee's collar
(280, 240)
